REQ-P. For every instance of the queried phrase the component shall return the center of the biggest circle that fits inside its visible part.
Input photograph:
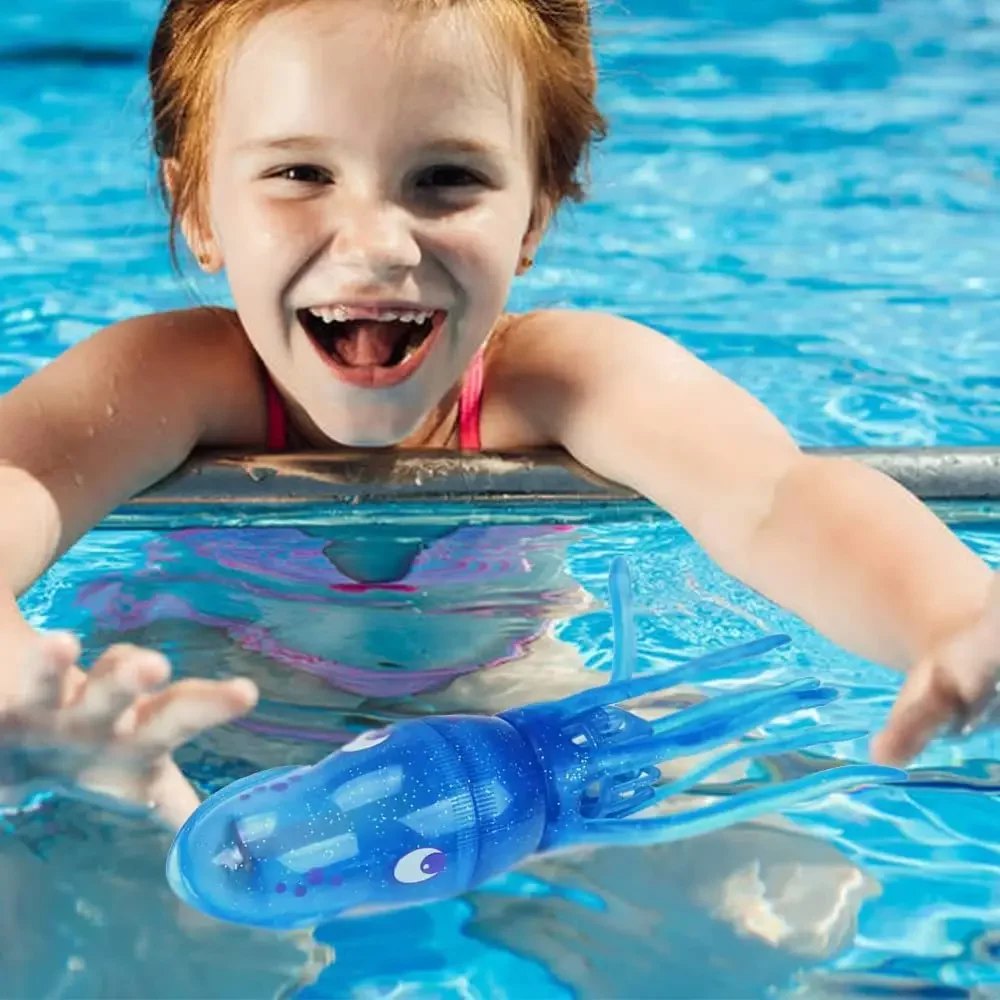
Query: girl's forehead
(321, 67)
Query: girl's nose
(375, 238)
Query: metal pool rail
(220, 489)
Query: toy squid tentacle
(623, 623)
(749, 805)
(738, 709)
(696, 669)
(713, 729)
(756, 748)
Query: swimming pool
(804, 193)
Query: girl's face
(371, 193)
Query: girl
(371, 176)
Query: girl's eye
(447, 176)
(303, 173)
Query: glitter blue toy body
(429, 808)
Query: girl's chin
(373, 434)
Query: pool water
(804, 193)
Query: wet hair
(551, 40)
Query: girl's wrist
(172, 798)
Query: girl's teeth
(340, 314)
(327, 313)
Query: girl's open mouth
(372, 347)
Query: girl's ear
(541, 215)
(200, 242)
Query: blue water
(805, 193)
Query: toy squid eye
(419, 865)
(366, 740)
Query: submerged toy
(429, 808)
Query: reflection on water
(86, 912)
(730, 914)
(462, 622)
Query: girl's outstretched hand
(109, 731)
(954, 688)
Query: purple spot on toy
(300, 890)
(280, 888)
(315, 877)
(336, 880)
(244, 796)
(279, 786)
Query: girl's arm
(107, 418)
(844, 547)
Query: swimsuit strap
(470, 402)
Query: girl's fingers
(925, 706)
(114, 682)
(42, 672)
(166, 720)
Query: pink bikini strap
(470, 403)
(277, 418)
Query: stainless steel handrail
(251, 489)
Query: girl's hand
(109, 731)
(953, 688)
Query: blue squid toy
(429, 808)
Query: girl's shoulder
(126, 406)
(197, 361)
(538, 363)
